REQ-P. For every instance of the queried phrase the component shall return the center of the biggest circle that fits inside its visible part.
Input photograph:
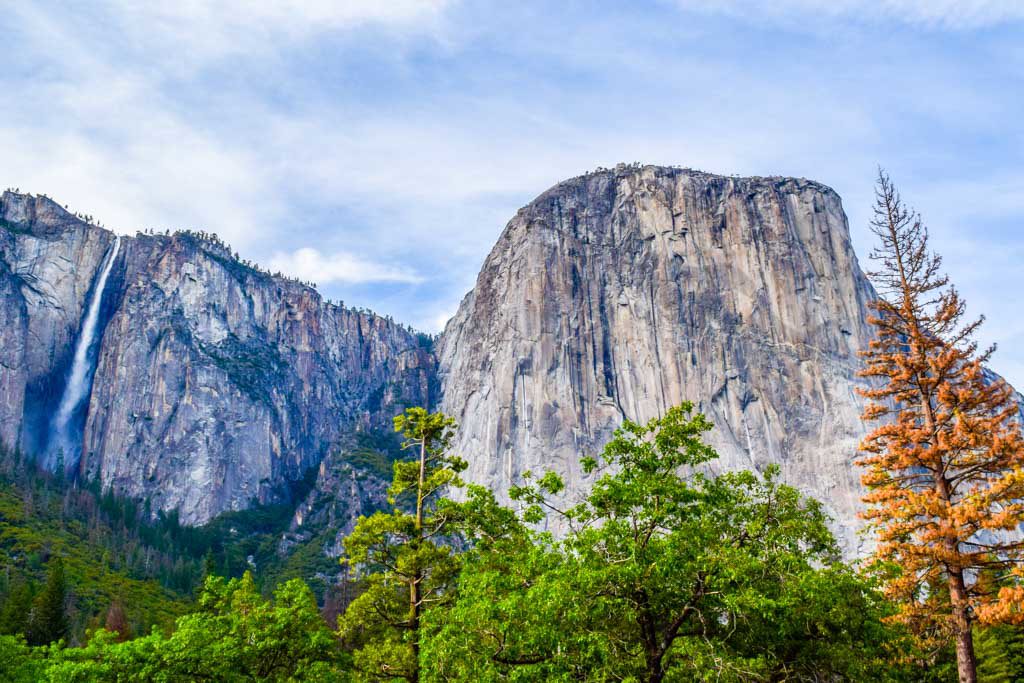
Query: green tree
(235, 636)
(517, 616)
(257, 638)
(48, 619)
(405, 555)
(16, 607)
(18, 663)
(665, 574)
(1000, 652)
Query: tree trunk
(653, 652)
(966, 665)
(655, 671)
(414, 628)
(414, 587)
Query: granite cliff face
(48, 261)
(216, 385)
(621, 293)
(613, 295)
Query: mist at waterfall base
(64, 441)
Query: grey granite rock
(623, 292)
(216, 384)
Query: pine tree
(209, 566)
(944, 469)
(16, 607)
(404, 553)
(48, 619)
(1000, 654)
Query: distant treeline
(116, 551)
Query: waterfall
(79, 380)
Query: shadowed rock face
(621, 293)
(215, 386)
(48, 261)
(13, 339)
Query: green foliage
(407, 565)
(514, 618)
(1000, 653)
(236, 635)
(18, 662)
(48, 619)
(16, 607)
(375, 452)
(663, 572)
(114, 550)
(104, 556)
(425, 342)
(664, 576)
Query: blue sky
(378, 148)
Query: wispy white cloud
(177, 37)
(398, 137)
(936, 14)
(101, 123)
(173, 177)
(312, 266)
(976, 222)
(441, 319)
(222, 19)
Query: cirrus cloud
(398, 137)
(951, 15)
(309, 264)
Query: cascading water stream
(79, 382)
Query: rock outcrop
(216, 384)
(621, 293)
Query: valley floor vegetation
(656, 576)
(661, 571)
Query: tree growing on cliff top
(944, 469)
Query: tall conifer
(944, 467)
(48, 620)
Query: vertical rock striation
(48, 261)
(218, 384)
(621, 293)
(13, 340)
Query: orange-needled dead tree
(944, 467)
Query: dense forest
(119, 556)
(657, 576)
